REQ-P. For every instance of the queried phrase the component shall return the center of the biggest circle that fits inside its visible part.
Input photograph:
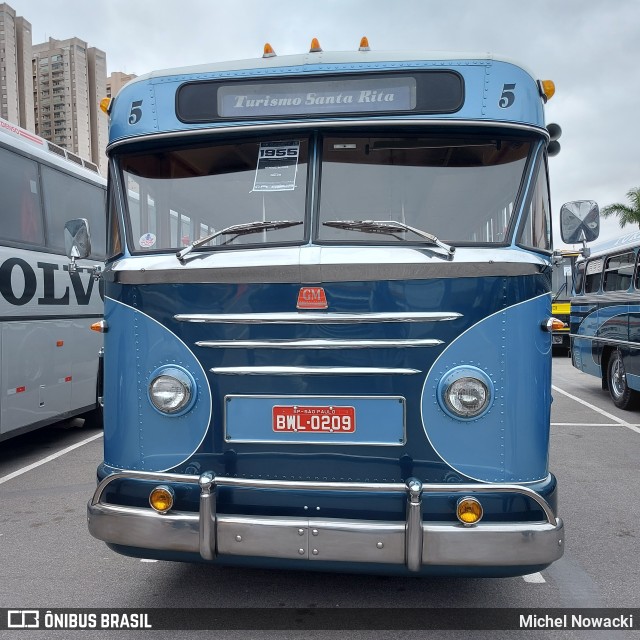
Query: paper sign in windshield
(277, 166)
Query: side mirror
(579, 221)
(77, 240)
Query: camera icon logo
(23, 619)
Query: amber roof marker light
(364, 44)
(547, 89)
(268, 51)
(315, 46)
(105, 105)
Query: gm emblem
(312, 298)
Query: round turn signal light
(161, 498)
(469, 511)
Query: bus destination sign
(337, 96)
(423, 92)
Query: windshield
(458, 190)
(461, 190)
(177, 196)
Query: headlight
(171, 390)
(465, 392)
(467, 397)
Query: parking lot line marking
(619, 421)
(534, 578)
(584, 424)
(53, 456)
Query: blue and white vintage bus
(328, 316)
(605, 314)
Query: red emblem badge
(312, 298)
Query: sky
(589, 48)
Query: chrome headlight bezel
(184, 390)
(476, 381)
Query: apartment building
(116, 81)
(69, 80)
(53, 88)
(16, 93)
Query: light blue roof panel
(494, 90)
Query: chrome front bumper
(411, 542)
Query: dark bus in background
(605, 318)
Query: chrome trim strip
(316, 318)
(332, 124)
(626, 343)
(314, 273)
(273, 259)
(312, 371)
(316, 344)
(316, 264)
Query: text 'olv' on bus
(328, 316)
(49, 359)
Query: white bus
(49, 357)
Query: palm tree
(627, 214)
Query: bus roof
(325, 57)
(493, 90)
(626, 241)
(19, 138)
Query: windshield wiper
(238, 230)
(390, 227)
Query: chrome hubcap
(618, 382)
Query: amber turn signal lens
(161, 498)
(100, 326)
(469, 511)
(553, 324)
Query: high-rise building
(16, 90)
(116, 81)
(69, 80)
(99, 120)
(54, 88)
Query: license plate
(556, 340)
(328, 419)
